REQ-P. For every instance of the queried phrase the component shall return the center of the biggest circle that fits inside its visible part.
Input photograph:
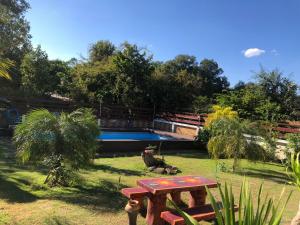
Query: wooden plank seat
(205, 212)
(135, 192)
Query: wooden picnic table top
(164, 185)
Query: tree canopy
(127, 75)
(14, 33)
(272, 97)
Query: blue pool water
(114, 135)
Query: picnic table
(160, 187)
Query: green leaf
(189, 220)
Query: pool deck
(175, 135)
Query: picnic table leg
(142, 206)
(176, 197)
(156, 205)
(197, 198)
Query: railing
(187, 118)
(199, 120)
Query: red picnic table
(160, 187)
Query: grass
(96, 200)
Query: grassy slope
(25, 200)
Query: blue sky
(222, 30)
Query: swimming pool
(142, 136)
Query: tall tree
(213, 82)
(133, 67)
(101, 50)
(279, 89)
(251, 103)
(14, 33)
(183, 79)
(60, 72)
(36, 77)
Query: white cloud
(252, 52)
(275, 52)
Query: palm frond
(5, 66)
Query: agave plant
(267, 212)
(295, 167)
(189, 220)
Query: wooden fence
(23, 105)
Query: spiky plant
(189, 220)
(64, 143)
(295, 167)
(267, 212)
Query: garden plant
(295, 167)
(265, 211)
(232, 137)
(64, 143)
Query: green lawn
(25, 200)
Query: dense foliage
(293, 142)
(273, 97)
(64, 143)
(127, 75)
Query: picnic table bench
(156, 190)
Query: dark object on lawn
(155, 164)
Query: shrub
(294, 142)
(204, 135)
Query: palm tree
(64, 143)
(228, 139)
(5, 65)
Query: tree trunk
(235, 164)
(296, 219)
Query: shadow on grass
(111, 169)
(10, 192)
(190, 155)
(56, 220)
(267, 174)
(105, 197)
